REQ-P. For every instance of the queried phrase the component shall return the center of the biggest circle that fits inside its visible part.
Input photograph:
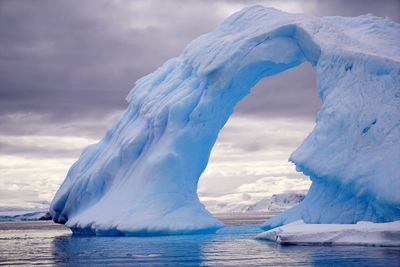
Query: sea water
(48, 244)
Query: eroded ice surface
(141, 178)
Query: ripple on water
(48, 244)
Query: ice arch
(141, 178)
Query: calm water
(45, 243)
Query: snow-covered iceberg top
(362, 233)
(141, 178)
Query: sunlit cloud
(41, 177)
(250, 148)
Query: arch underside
(141, 178)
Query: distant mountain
(24, 215)
(246, 202)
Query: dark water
(45, 243)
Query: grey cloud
(382, 8)
(77, 60)
(253, 134)
(289, 94)
(11, 199)
(87, 125)
(71, 60)
(32, 151)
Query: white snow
(362, 233)
(141, 178)
(251, 202)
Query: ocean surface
(44, 243)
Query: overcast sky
(66, 67)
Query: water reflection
(48, 244)
(176, 251)
(231, 246)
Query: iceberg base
(362, 233)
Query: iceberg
(141, 178)
(362, 233)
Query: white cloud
(275, 185)
(47, 142)
(250, 148)
(30, 182)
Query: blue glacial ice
(141, 178)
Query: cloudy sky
(66, 67)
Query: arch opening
(248, 171)
(285, 49)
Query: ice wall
(141, 178)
